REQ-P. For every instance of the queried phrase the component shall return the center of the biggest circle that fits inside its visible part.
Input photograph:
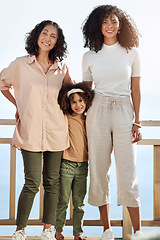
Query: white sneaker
(138, 233)
(108, 235)
(19, 235)
(47, 234)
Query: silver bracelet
(138, 125)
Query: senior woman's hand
(17, 115)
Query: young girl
(74, 100)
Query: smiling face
(77, 103)
(47, 38)
(110, 27)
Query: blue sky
(19, 17)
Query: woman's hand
(17, 115)
(17, 118)
(136, 133)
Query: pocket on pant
(85, 167)
(64, 166)
(131, 111)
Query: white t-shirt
(111, 69)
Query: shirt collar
(55, 65)
(31, 59)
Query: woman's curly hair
(64, 100)
(60, 49)
(91, 28)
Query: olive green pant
(73, 177)
(32, 170)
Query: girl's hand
(136, 133)
(17, 147)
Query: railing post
(12, 182)
(127, 225)
(156, 183)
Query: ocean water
(145, 178)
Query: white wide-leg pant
(109, 126)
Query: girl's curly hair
(91, 28)
(60, 49)
(64, 100)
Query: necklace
(43, 63)
(50, 63)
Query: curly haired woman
(42, 129)
(113, 121)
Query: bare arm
(9, 96)
(136, 99)
(67, 78)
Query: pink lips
(79, 109)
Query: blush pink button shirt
(41, 125)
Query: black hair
(60, 49)
(64, 100)
(128, 37)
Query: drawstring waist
(112, 102)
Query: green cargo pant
(73, 177)
(32, 170)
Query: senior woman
(41, 130)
